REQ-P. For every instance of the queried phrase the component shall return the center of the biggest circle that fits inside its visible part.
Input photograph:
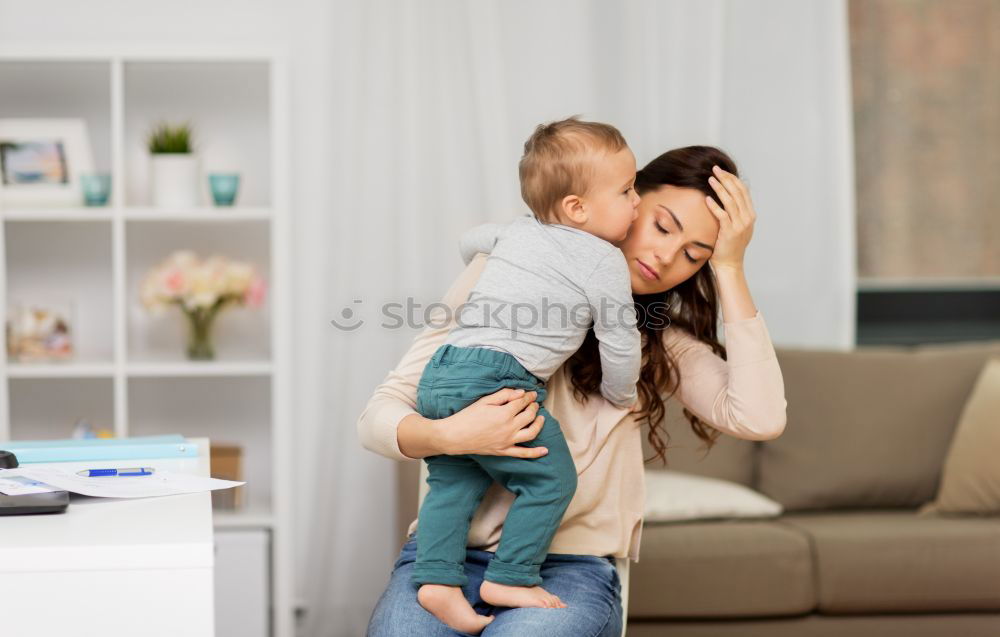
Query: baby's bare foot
(448, 604)
(518, 596)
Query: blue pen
(97, 473)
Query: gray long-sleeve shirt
(541, 288)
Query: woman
(693, 210)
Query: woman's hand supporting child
(491, 426)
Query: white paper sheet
(160, 483)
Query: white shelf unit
(129, 372)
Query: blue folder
(71, 449)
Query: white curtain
(409, 117)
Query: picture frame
(41, 160)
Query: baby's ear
(572, 208)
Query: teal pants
(454, 378)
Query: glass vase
(200, 346)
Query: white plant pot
(174, 180)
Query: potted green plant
(173, 166)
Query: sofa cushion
(729, 459)
(868, 428)
(970, 480)
(897, 561)
(675, 496)
(721, 569)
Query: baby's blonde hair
(558, 161)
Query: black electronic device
(29, 503)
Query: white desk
(107, 566)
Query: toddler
(548, 277)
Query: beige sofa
(863, 449)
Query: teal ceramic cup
(96, 188)
(224, 187)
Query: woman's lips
(647, 272)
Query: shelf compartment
(49, 263)
(62, 89)
(240, 334)
(47, 408)
(225, 410)
(228, 105)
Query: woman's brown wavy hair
(692, 305)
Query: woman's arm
(493, 425)
(744, 395)
(736, 221)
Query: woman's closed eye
(665, 231)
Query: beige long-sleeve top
(742, 396)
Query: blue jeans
(589, 585)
